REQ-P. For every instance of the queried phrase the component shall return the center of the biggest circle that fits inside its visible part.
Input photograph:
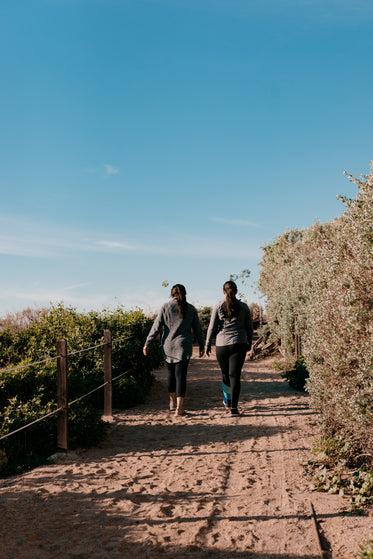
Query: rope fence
(46, 360)
(97, 388)
(63, 403)
(30, 424)
(76, 352)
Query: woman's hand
(145, 350)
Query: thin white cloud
(115, 244)
(45, 240)
(227, 221)
(110, 170)
(122, 247)
(47, 296)
(76, 286)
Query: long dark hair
(231, 306)
(178, 292)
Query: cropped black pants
(177, 375)
(231, 359)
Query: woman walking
(178, 319)
(232, 324)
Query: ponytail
(231, 306)
(178, 292)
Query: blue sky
(168, 140)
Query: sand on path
(203, 485)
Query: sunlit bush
(318, 283)
(29, 393)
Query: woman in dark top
(232, 324)
(177, 320)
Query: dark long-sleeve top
(177, 337)
(230, 330)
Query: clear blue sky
(153, 140)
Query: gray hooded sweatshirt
(235, 330)
(177, 337)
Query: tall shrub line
(319, 284)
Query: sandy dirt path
(203, 485)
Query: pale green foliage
(241, 278)
(319, 284)
(367, 550)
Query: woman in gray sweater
(232, 324)
(177, 320)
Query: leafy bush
(366, 549)
(29, 393)
(29, 447)
(337, 468)
(204, 314)
(297, 375)
(318, 283)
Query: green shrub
(366, 549)
(85, 427)
(31, 446)
(204, 314)
(29, 393)
(297, 375)
(318, 284)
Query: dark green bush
(29, 393)
(297, 375)
(86, 427)
(29, 447)
(204, 314)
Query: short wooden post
(62, 432)
(108, 391)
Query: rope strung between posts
(114, 342)
(28, 365)
(84, 350)
(48, 359)
(121, 375)
(88, 394)
(32, 423)
(59, 409)
(97, 388)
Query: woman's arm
(155, 329)
(197, 331)
(249, 326)
(212, 329)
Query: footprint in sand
(166, 510)
(201, 505)
(214, 537)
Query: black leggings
(177, 373)
(231, 359)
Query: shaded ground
(204, 485)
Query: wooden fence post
(108, 392)
(62, 432)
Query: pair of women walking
(178, 321)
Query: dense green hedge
(319, 284)
(29, 393)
